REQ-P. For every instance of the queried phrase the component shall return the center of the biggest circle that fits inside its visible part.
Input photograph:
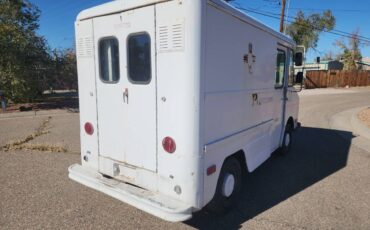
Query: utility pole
(282, 16)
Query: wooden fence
(336, 78)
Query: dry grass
(364, 116)
(39, 147)
(22, 144)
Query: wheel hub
(287, 139)
(228, 185)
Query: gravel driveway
(324, 183)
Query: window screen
(280, 69)
(109, 60)
(139, 58)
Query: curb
(347, 121)
(360, 128)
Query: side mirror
(298, 58)
(299, 78)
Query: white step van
(177, 98)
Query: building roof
(363, 63)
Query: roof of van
(114, 7)
(123, 5)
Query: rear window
(109, 60)
(139, 58)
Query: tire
(224, 199)
(287, 140)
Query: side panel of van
(87, 92)
(243, 108)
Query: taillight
(169, 145)
(89, 128)
(211, 170)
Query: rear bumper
(158, 205)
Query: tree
(23, 54)
(70, 70)
(351, 52)
(64, 70)
(328, 56)
(305, 30)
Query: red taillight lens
(169, 145)
(89, 128)
(211, 170)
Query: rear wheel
(228, 187)
(287, 140)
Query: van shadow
(316, 154)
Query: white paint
(160, 206)
(123, 120)
(202, 93)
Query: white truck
(177, 99)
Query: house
(323, 65)
(364, 63)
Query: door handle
(125, 96)
(255, 99)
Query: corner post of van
(178, 98)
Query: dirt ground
(365, 116)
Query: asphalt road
(323, 183)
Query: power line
(294, 18)
(286, 16)
(334, 10)
(362, 39)
(323, 9)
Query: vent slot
(163, 37)
(85, 47)
(177, 36)
(171, 37)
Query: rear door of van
(126, 87)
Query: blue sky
(57, 19)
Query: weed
(22, 144)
